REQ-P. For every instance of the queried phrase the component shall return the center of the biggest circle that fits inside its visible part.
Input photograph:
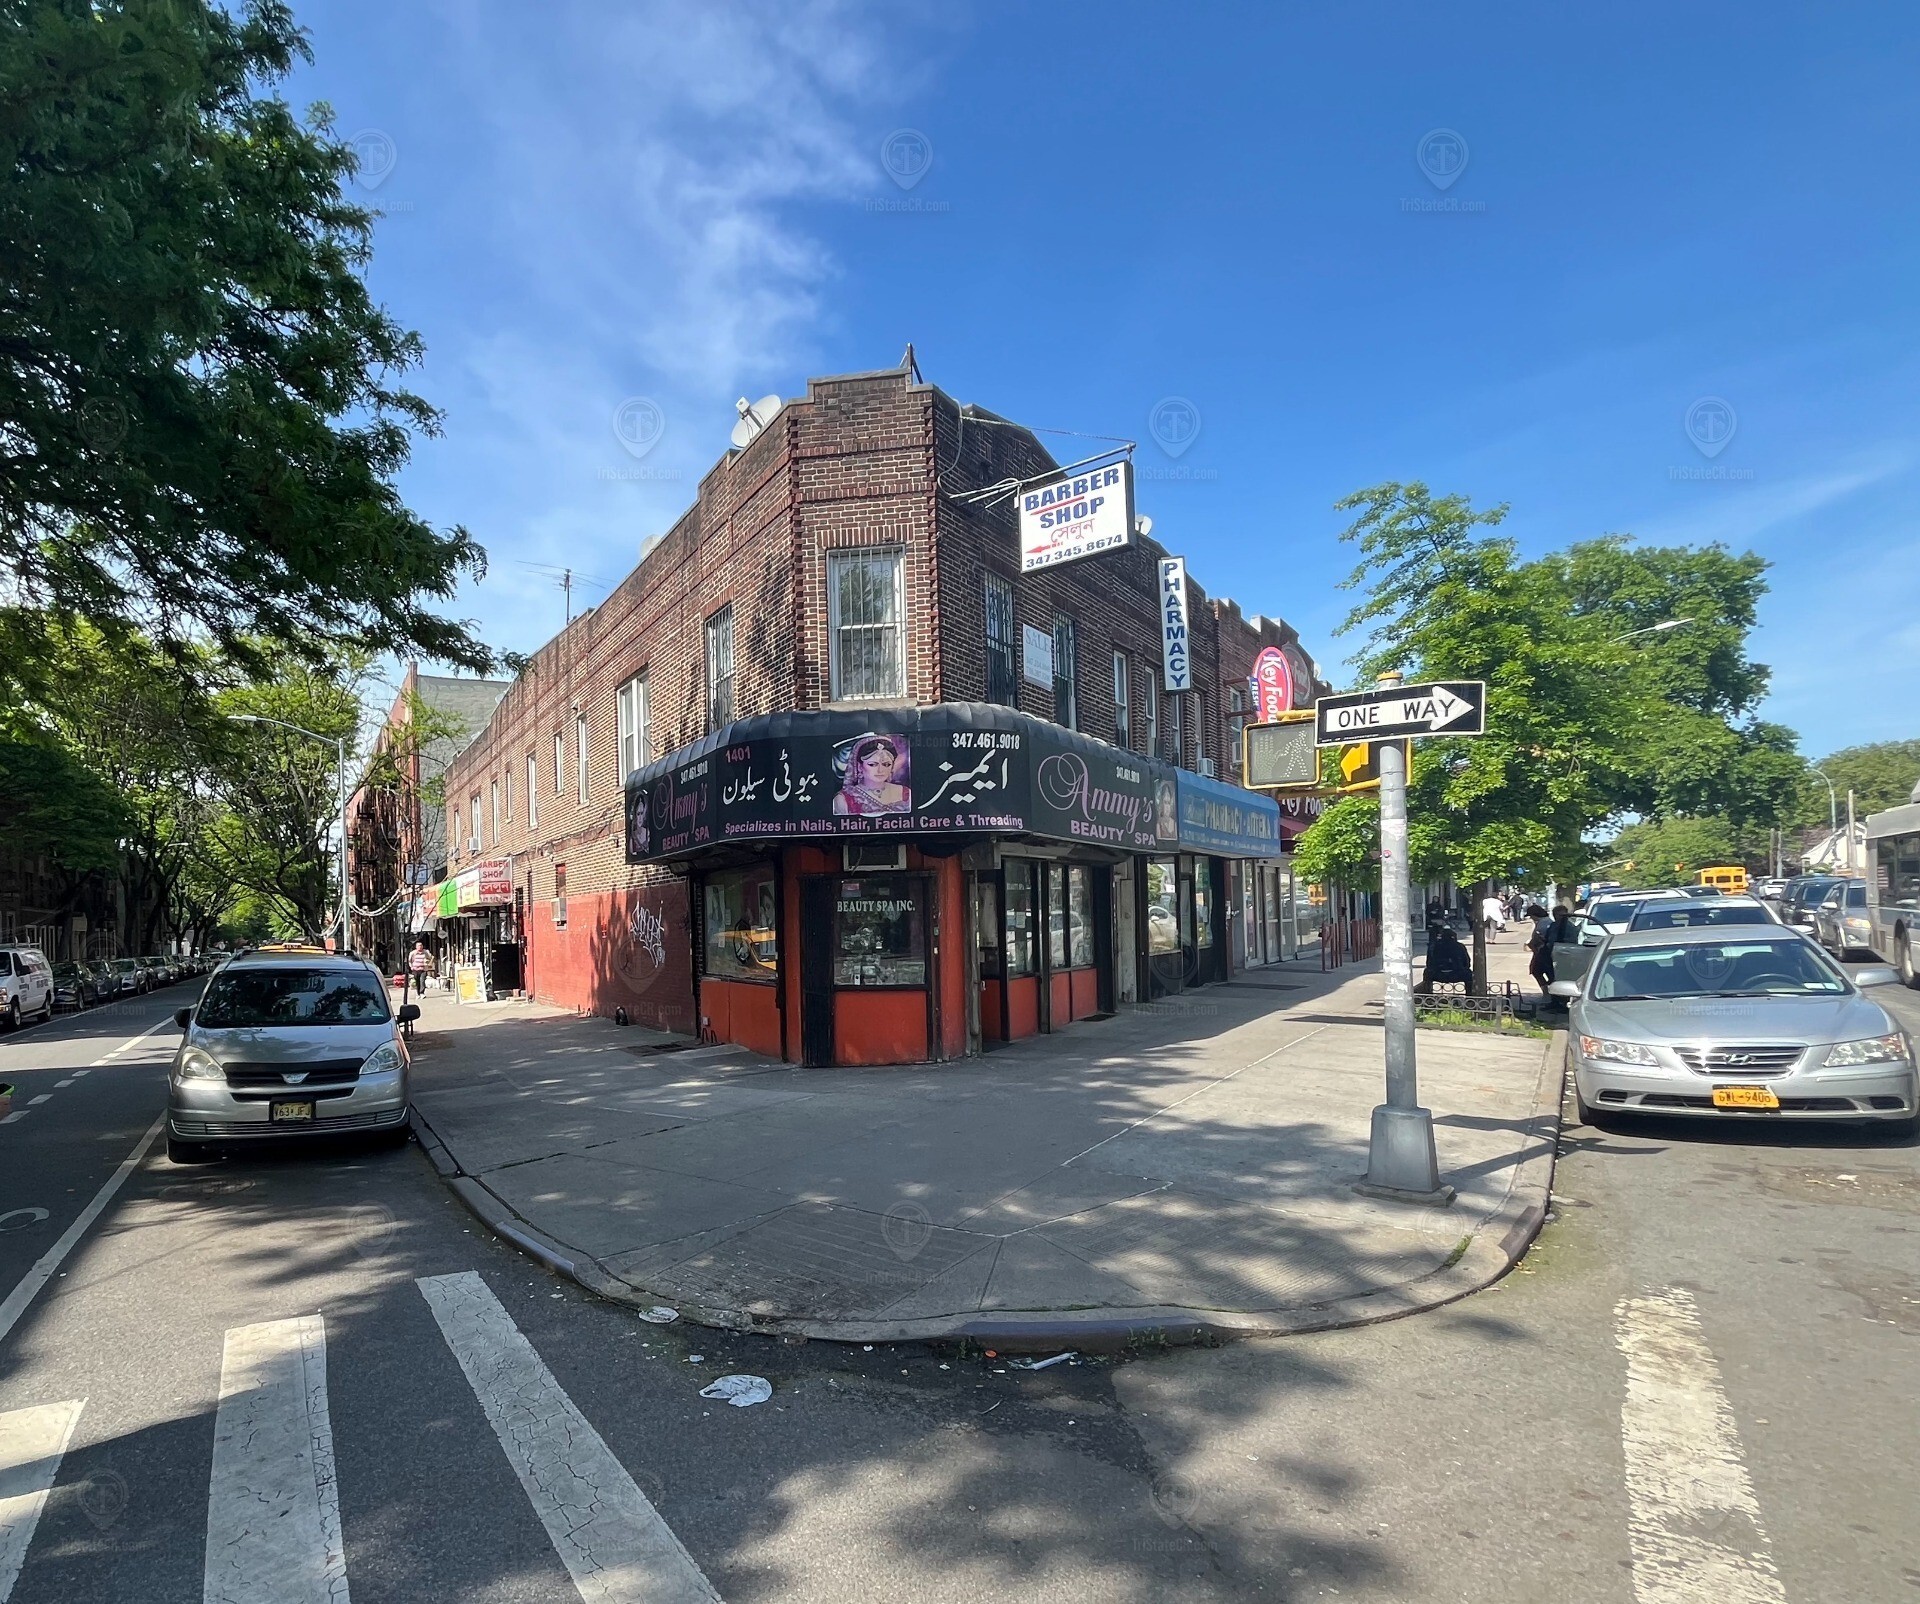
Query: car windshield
(1685, 915)
(292, 997)
(1730, 968)
(1612, 912)
(1812, 893)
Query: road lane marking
(48, 1262)
(35, 1102)
(80, 1073)
(614, 1543)
(59, 1083)
(273, 1508)
(1693, 1520)
(128, 1045)
(17, 1114)
(32, 1444)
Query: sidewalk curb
(1484, 1257)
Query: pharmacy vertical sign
(1176, 639)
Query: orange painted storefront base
(880, 1027)
(741, 1011)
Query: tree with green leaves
(200, 409)
(1881, 776)
(1592, 713)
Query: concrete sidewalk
(1181, 1170)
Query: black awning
(953, 768)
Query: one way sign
(1448, 707)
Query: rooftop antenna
(754, 418)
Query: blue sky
(1218, 207)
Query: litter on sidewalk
(740, 1391)
(1043, 1364)
(659, 1315)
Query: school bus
(1728, 879)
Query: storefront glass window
(879, 933)
(1080, 917)
(1163, 896)
(1202, 905)
(1057, 915)
(1020, 949)
(742, 933)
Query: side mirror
(1568, 989)
(409, 1012)
(1876, 975)
(183, 1017)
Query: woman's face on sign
(876, 768)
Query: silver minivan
(287, 1044)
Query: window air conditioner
(1206, 767)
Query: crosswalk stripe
(1693, 1519)
(273, 1509)
(32, 1444)
(613, 1542)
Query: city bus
(1893, 887)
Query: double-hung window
(533, 792)
(1236, 730)
(720, 669)
(633, 726)
(1064, 709)
(559, 760)
(1122, 714)
(1003, 680)
(1176, 736)
(866, 623)
(1152, 744)
(493, 803)
(580, 760)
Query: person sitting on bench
(1448, 962)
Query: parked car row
(82, 983)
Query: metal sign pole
(1402, 1163)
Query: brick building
(821, 774)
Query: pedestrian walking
(419, 961)
(1540, 945)
(1493, 915)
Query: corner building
(829, 777)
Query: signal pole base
(1402, 1165)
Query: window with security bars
(720, 669)
(1003, 683)
(1065, 708)
(865, 618)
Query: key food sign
(1445, 707)
(1079, 516)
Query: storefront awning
(953, 768)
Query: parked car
(1686, 913)
(1613, 913)
(1842, 922)
(1651, 1030)
(286, 1045)
(75, 986)
(129, 976)
(26, 986)
(156, 968)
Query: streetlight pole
(1402, 1163)
(340, 750)
(1833, 817)
(1664, 625)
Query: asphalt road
(1697, 1387)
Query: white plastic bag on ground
(740, 1391)
(659, 1315)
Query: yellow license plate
(1744, 1097)
(290, 1113)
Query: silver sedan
(1741, 1022)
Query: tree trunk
(1481, 893)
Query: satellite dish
(753, 419)
(1143, 526)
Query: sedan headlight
(383, 1060)
(1874, 1050)
(1617, 1052)
(196, 1065)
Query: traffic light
(1360, 767)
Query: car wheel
(13, 1013)
(1908, 972)
(179, 1152)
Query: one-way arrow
(1457, 707)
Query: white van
(26, 986)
